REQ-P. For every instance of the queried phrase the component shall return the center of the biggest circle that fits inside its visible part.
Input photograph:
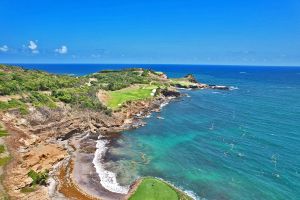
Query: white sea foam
(107, 179)
(192, 195)
(164, 104)
(233, 88)
(187, 192)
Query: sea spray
(107, 179)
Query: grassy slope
(118, 97)
(154, 189)
(42, 89)
(181, 81)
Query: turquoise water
(238, 144)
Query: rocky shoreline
(53, 139)
(63, 140)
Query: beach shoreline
(80, 181)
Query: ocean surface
(237, 144)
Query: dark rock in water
(170, 93)
(219, 87)
(191, 78)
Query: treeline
(116, 80)
(15, 80)
(44, 89)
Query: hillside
(53, 121)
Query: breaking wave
(107, 178)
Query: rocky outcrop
(170, 93)
(191, 78)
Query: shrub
(2, 148)
(14, 104)
(38, 178)
(41, 100)
(4, 160)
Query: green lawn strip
(155, 189)
(181, 81)
(119, 97)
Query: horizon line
(87, 63)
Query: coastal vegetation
(4, 160)
(2, 148)
(3, 132)
(35, 101)
(16, 80)
(13, 104)
(181, 82)
(155, 189)
(36, 88)
(112, 80)
(38, 178)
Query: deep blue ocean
(237, 144)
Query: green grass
(41, 100)
(28, 189)
(3, 132)
(2, 148)
(38, 178)
(181, 81)
(119, 97)
(14, 104)
(154, 189)
(4, 160)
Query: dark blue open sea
(238, 144)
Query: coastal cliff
(54, 122)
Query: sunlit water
(238, 144)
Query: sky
(231, 32)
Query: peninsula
(51, 126)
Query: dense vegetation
(15, 80)
(42, 89)
(116, 80)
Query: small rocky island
(50, 125)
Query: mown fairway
(118, 97)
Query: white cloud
(62, 50)
(4, 48)
(33, 47)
